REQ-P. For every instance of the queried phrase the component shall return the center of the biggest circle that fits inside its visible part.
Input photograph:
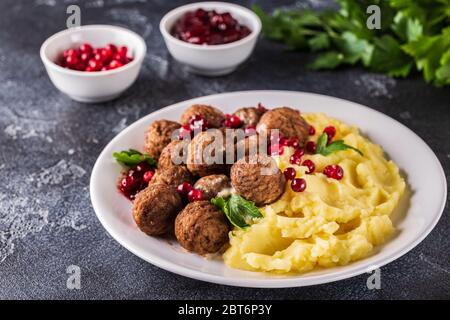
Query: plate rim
(269, 282)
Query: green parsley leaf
(445, 59)
(238, 210)
(322, 144)
(412, 34)
(328, 60)
(354, 48)
(220, 203)
(428, 52)
(323, 148)
(443, 75)
(271, 27)
(388, 57)
(133, 157)
(339, 145)
(407, 29)
(319, 42)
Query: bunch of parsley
(413, 33)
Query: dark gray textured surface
(48, 145)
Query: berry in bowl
(210, 38)
(93, 63)
(90, 59)
(209, 27)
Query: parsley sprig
(413, 33)
(326, 149)
(132, 157)
(238, 210)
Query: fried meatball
(175, 153)
(172, 176)
(249, 116)
(258, 179)
(206, 153)
(213, 116)
(155, 209)
(288, 121)
(212, 185)
(201, 228)
(159, 135)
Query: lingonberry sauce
(89, 59)
(298, 184)
(334, 171)
(135, 180)
(208, 27)
(289, 173)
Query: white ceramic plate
(418, 214)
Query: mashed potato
(333, 222)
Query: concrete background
(49, 143)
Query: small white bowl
(212, 60)
(98, 86)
